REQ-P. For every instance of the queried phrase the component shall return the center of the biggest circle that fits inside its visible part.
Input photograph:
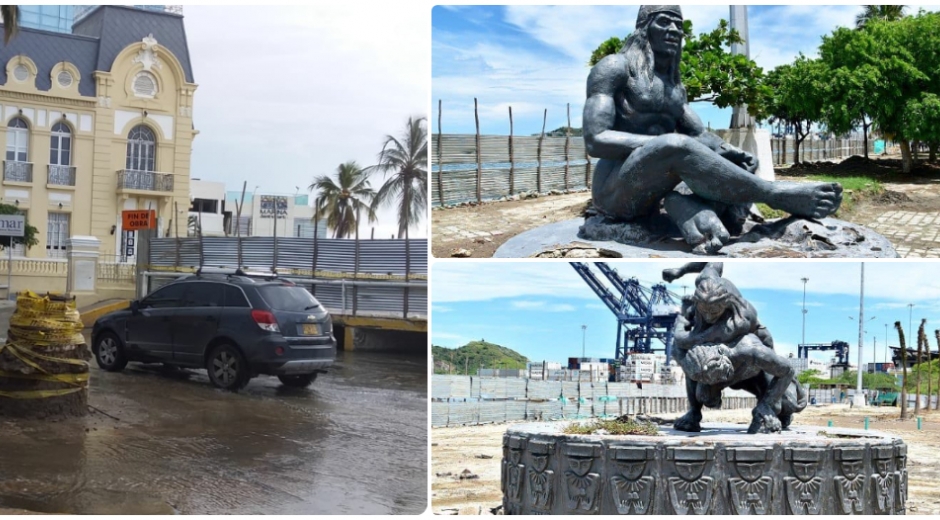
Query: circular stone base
(719, 471)
(784, 238)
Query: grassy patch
(618, 426)
(855, 190)
(770, 213)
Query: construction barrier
(44, 368)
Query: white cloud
(529, 305)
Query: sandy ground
(454, 450)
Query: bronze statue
(655, 153)
(721, 344)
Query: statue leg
(698, 222)
(655, 169)
(692, 420)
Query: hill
(474, 355)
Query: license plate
(310, 329)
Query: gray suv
(235, 325)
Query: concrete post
(83, 252)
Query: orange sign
(135, 219)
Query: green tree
(886, 13)
(798, 96)
(407, 160)
(10, 14)
(341, 201)
(709, 71)
(29, 232)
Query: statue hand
(670, 275)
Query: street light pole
(583, 339)
(886, 343)
(804, 308)
(859, 398)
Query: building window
(17, 140)
(65, 79)
(60, 149)
(141, 147)
(205, 206)
(57, 235)
(21, 72)
(145, 85)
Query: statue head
(708, 364)
(711, 299)
(658, 34)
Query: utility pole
(583, 339)
(910, 317)
(886, 343)
(804, 308)
(859, 397)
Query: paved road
(354, 442)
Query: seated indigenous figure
(721, 344)
(655, 154)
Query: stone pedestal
(83, 252)
(719, 471)
(755, 141)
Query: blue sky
(537, 309)
(535, 57)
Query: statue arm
(600, 112)
(691, 125)
(774, 365)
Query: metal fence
(380, 278)
(812, 150)
(471, 400)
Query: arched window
(141, 147)
(60, 149)
(17, 140)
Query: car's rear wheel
(227, 368)
(109, 353)
(299, 380)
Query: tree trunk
(905, 155)
(933, 151)
(897, 325)
(865, 134)
(936, 405)
(921, 339)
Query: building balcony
(59, 175)
(15, 171)
(131, 181)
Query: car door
(149, 331)
(197, 321)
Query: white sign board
(12, 225)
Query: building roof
(96, 41)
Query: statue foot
(765, 420)
(807, 199)
(698, 222)
(690, 422)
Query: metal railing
(147, 181)
(61, 175)
(17, 171)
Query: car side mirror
(135, 306)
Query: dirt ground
(908, 215)
(454, 450)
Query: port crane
(643, 313)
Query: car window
(288, 298)
(164, 297)
(233, 297)
(203, 294)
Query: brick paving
(915, 234)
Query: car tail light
(279, 351)
(265, 320)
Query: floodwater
(354, 442)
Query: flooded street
(355, 441)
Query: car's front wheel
(109, 353)
(227, 368)
(298, 381)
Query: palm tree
(921, 342)
(887, 13)
(407, 160)
(340, 203)
(897, 325)
(10, 14)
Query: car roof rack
(240, 271)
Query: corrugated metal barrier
(472, 400)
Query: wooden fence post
(440, 161)
(476, 117)
(355, 301)
(538, 169)
(316, 239)
(407, 271)
(512, 163)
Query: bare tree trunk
(897, 325)
(906, 160)
(933, 152)
(865, 126)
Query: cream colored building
(96, 122)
